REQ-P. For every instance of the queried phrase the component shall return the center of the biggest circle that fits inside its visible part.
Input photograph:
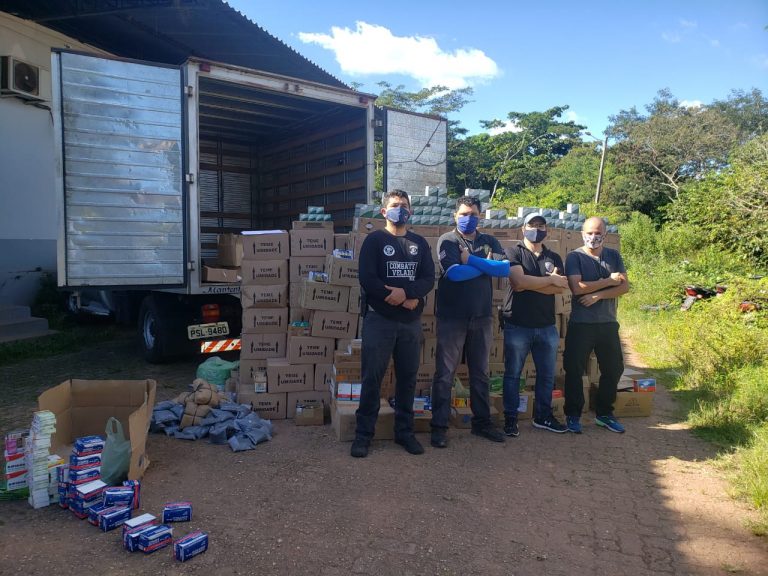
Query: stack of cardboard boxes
(302, 323)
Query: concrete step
(29, 328)
(13, 313)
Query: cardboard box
(220, 274)
(429, 326)
(341, 242)
(260, 346)
(563, 302)
(323, 377)
(268, 406)
(354, 300)
(285, 377)
(424, 378)
(312, 242)
(82, 408)
(309, 413)
(366, 225)
(342, 271)
(265, 245)
(333, 324)
(312, 224)
(429, 304)
(264, 272)
(265, 320)
(270, 296)
(429, 350)
(253, 376)
(320, 296)
(347, 372)
(229, 250)
(310, 350)
(344, 421)
(633, 404)
(299, 267)
(300, 398)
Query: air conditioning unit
(19, 79)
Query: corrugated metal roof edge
(242, 16)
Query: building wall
(28, 223)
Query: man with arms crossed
(396, 271)
(468, 259)
(529, 324)
(597, 278)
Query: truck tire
(154, 327)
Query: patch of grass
(71, 339)
(714, 358)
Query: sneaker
(490, 433)
(439, 439)
(359, 448)
(411, 445)
(552, 424)
(573, 423)
(610, 423)
(511, 429)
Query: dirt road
(643, 503)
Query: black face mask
(534, 235)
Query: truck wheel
(153, 331)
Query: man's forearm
(580, 288)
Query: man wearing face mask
(529, 324)
(597, 278)
(468, 260)
(396, 272)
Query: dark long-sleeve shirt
(399, 261)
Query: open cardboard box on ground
(82, 408)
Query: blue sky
(597, 57)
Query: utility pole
(600, 173)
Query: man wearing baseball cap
(529, 324)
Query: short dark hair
(468, 201)
(396, 193)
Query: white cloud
(688, 23)
(714, 42)
(509, 126)
(571, 116)
(691, 103)
(372, 49)
(671, 37)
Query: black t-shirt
(399, 261)
(471, 298)
(529, 308)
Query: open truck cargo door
(415, 151)
(120, 172)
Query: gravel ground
(644, 503)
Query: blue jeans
(471, 337)
(542, 344)
(384, 339)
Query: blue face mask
(398, 215)
(467, 224)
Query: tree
(674, 143)
(748, 111)
(522, 158)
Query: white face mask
(592, 240)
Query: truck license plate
(207, 330)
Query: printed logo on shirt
(402, 270)
(441, 255)
(413, 249)
(389, 250)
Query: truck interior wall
(267, 184)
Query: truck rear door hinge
(190, 90)
(191, 265)
(190, 178)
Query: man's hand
(396, 296)
(588, 299)
(617, 278)
(411, 303)
(463, 254)
(558, 280)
